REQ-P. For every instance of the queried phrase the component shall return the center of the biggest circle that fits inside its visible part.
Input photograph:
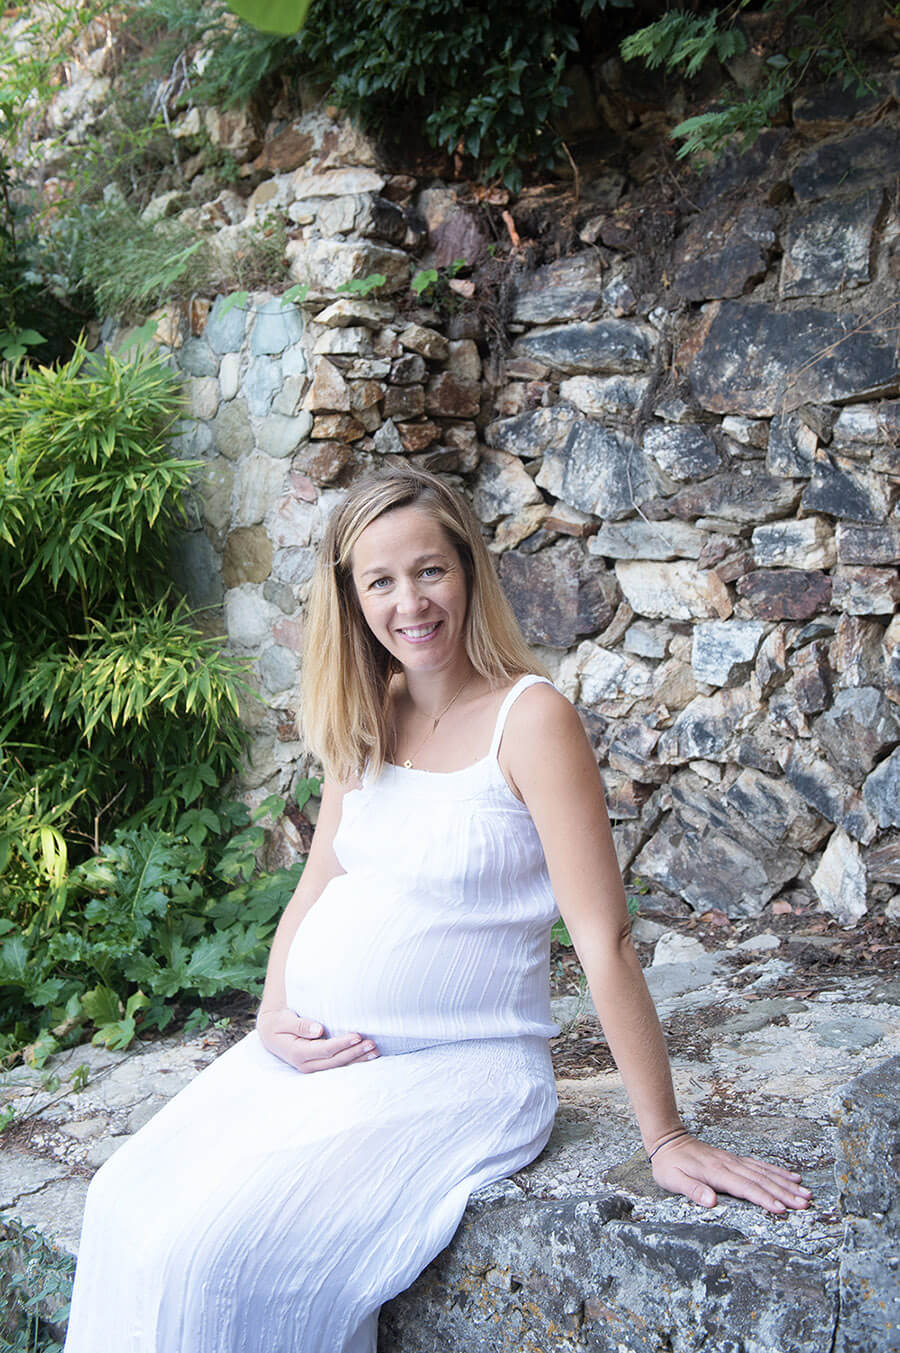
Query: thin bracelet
(685, 1132)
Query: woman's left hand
(689, 1166)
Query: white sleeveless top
(440, 928)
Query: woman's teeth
(419, 631)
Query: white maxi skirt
(264, 1210)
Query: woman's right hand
(301, 1044)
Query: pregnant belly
(379, 963)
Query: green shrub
(116, 713)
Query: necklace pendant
(407, 765)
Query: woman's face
(412, 588)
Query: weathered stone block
(840, 880)
(339, 427)
(865, 159)
(723, 650)
(871, 545)
(612, 345)
(322, 461)
(605, 473)
(856, 653)
(610, 684)
(805, 544)
(232, 431)
(791, 447)
(866, 591)
(532, 434)
(601, 395)
(279, 436)
(737, 497)
(404, 401)
(225, 328)
(784, 594)
(196, 358)
(684, 452)
(881, 791)
(819, 784)
(639, 539)
(558, 594)
(676, 591)
(811, 677)
(354, 311)
(775, 810)
(196, 568)
(259, 483)
(567, 290)
(757, 361)
(328, 264)
(247, 557)
(261, 384)
(502, 487)
(449, 396)
(706, 728)
(828, 246)
(417, 436)
(839, 487)
(857, 730)
(276, 327)
(329, 391)
(426, 342)
(722, 252)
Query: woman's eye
(376, 585)
(432, 569)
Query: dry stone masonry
(690, 482)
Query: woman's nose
(409, 597)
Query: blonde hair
(346, 672)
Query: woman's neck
(429, 692)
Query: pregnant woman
(400, 1058)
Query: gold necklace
(407, 764)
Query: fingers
(329, 1052)
(697, 1170)
(299, 1042)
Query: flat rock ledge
(581, 1250)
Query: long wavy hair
(344, 713)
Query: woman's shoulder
(540, 711)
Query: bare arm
(549, 761)
(298, 1039)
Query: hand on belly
(302, 1043)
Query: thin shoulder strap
(509, 700)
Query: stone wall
(682, 443)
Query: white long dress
(263, 1210)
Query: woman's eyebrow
(419, 559)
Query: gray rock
(647, 640)
(387, 439)
(598, 396)
(857, 730)
(278, 668)
(775, 810)
(881, 791)
(259, 485)
(724, 650)
(828, 246)
(293, 564)
(684, 452)
(866, 1173)
(637, 539)
(557, 593)
(791, 448)
(534, 433)
(735, 496)
(866, 591)
(214, 486)
(225, 332)
(196, 569)
(616, 346)
(605, 474)
(710, 859)
(840, 488)
(722, 252)
(839, 881)
(567, 290)
(819, 784)
(232, 431)
(758, 361)
(248, 616)
(706, 728)
(261, 384)
(502, 487)
(276, 327)
(191, 439)
(278, 436)
(804, 544)
(672, 591)
(868, 544)
(866, 159)
(196, 358)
